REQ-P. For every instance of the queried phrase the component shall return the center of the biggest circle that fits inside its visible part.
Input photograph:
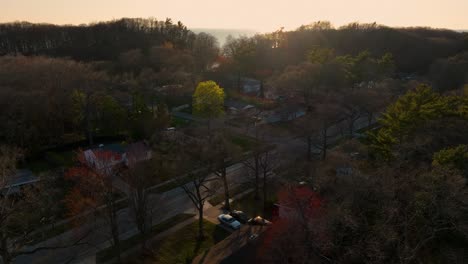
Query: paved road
(167, 204)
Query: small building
(20, 180)
(116, 154)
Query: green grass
(183, 246)
(246, 143)
(108, 253)
(179, 122)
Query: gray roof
(21, 178)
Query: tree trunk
(257, 196)
(262, 91)
(264, 192)
(115, 238)
(309, 148)
(227, 205)
(351, 126)
(370, 116)
(201, 234)
(324, 144)
(4, 251)
(89, 130)
(239, 86)
(112, 214)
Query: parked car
(229, 221)
(239, 216)
(258, 221)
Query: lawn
(179, 122)
(183, 246)
(244, 142)
(219, 198)
(50, 160)
(253, 207)
(106, 254)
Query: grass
(170, 185)
(253, 207)
(49, 233)
(108, 253)
(183, 245)
(246, 143)
(51, 160)
(219, 198)
(261, 103)
(179, 122)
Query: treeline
(99, 41)
(47, 102)
(415, 51)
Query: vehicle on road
(229, 221)
(239, 216)
(258, 221)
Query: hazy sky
(260, 15)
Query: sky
(258, 15)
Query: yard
(108, 253)
(182, 246)
(253, 207)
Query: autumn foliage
(92, 179)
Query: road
(168, 204)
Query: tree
(139, 177)
(317, 125)
(268, 163)
(409, 113)
(94, 189)
(8, 204)
(208, 100)
(23, 211)
(197, 188)
(298, 235)
(241, 54)
(198, 192)
(205, 50)
(224, 152)
(454, 158)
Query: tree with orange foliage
(295, 235)
(94, 190)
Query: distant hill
(221, 33)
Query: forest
(359, 131)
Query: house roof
(138, 151)
(117, 148)
(21, 178)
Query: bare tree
(139, 177)
(198, 155)
(94, 189)
(267, 162)
(326, 116)
(253, 164)
(198, 192)
(23, 211)
(222, 153)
